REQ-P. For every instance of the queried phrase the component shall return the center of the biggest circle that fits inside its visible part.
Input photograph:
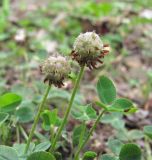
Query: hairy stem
(41, 106)
(67, 110)
(88, 136)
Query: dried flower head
(88, 49)
(56, 69)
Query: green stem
(23, 132)
(18, 134)
(88, 136)
(51, 133)
(41, 106)
(67, 110)
(148, 149)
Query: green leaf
(8, 153)
(46, 120)
(106, 90)
(49, 118)
(89, 155)
(121, 105)
(42, 146)
(115, 119)
(57, 96)
(9, 102)
(53, 116)
(130, 151)
(3, 117)
(20, 148)
(41, 156)
(135, 134)
(79, 132)
(84, 113)
(148, 131)
(115, 145)
(22, 117)
(22, 90)
(122, 134)
(107, 157)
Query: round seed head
(88, 49)
(55, 69)
(88, 44)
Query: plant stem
(148, 149)
(51, 133)
(41, 106)
(18, 134)
(88, 136)
(67, 110)
(23, 132)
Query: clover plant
(88, 51)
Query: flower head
(88, 49)
(56, 69)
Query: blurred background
(31, 30)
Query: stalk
(23, 132)
(41, 106)
(18, 134)
(88, 136)
(148, 149)
(52, 133)
(67, 110)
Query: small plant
(56, 69)
(88, 50)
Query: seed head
(55, 69)
(88, 49)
